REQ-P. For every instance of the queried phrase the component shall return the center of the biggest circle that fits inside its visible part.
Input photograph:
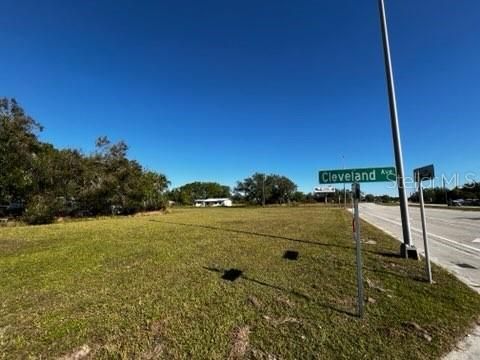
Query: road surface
(454, 236)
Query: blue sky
(216, 90)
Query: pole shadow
(244, 232)
(242, 275)
(389, 255)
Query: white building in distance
(213, 202)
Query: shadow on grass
(399, 275)
(389, 255)
(209, 227)
(271, 236)
(226, 275)
(290, 255)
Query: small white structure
(324, 190)
(213, 202)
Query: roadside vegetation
(267, 189)
(188, 193)
(466, 195)
(40, 182)
(214, 283)
(258, 189)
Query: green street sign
(384, 174)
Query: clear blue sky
(215, 90)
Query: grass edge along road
(436, 206)
(154, 286)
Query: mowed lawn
(151, 287)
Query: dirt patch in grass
(78, 354)
(420, 331)
(281, 321)
(255, 302)
(286, 301)
(239, 343)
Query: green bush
(41, 209)
(159, 202)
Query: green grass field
(151, 287)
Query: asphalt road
(454, 236)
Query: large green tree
(188, 193)
(19, 148)
(60, 182)
(271, 189)
(110, 180)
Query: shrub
(41, 209)
(158, 203)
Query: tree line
(258, 189)
(188, 193)
(40, 182)
(469, 192)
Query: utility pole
(406, 249)
(263, 190)
(344, 187)
(445, 190)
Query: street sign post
(421, 174)
(357, 176)
(356, 234)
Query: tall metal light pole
(407, 249)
